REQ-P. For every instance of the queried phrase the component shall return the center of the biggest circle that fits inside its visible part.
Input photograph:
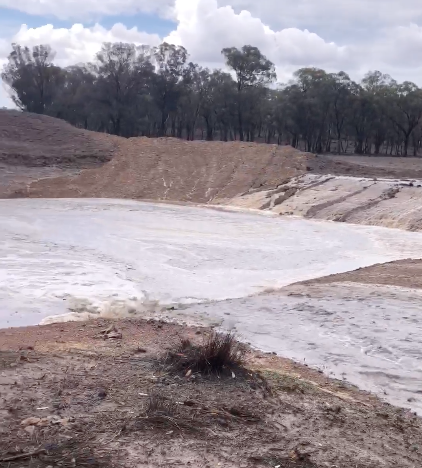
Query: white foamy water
(366, 334)
(111, 257)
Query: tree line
(130, 90)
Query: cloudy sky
(350, 35)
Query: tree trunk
(241, 135)
(210, 134)
(328, 146)
(406, 144)
(162, 131)
(179, 130)
(225, 133)
(359, 146)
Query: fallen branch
(22, 455)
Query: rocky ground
(80, 395)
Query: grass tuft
(218, 352)
(158, 405)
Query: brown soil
(89, 395)
(37, 140)
(172, 169)
(90, 398)
(205, 172)
(15, 179)
(404, 273)
(159, 169)
(389, 167)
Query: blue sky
(10, 21)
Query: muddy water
(109, 257)
(368, 335)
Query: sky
(350, 35)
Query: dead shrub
(70, 454)
(218, 352)
(295, 460)
(162, 413)
(158, 405)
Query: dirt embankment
(34, 147)
(178, 170)
(388, 167)
(402, 273)
(392, 203)
(79, 395)
(37, 141)
(48, 158)
(41, 149)
(200, 172)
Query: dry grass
(219, 352)
(163, 413)
(70, 454)
(294, 460)
(158, 405)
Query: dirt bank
(44, 157)
(402, 273)
(34, 147)
(15, 179)
(392, 167)
(393, 203)
(37, 141)
(89, 396)
(204, 172)
(172, 169)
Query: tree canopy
(131, 90)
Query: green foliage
(133, 90)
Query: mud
(68, 387)
(82, 259)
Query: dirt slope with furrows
(45, 157)
(37, 140)
(392, 203)
(172, 169)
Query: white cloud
(333, 19)
(5, 100)
(401, 46)
(78, 43)
(204, 29)
(83, 9)
(339, 18)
